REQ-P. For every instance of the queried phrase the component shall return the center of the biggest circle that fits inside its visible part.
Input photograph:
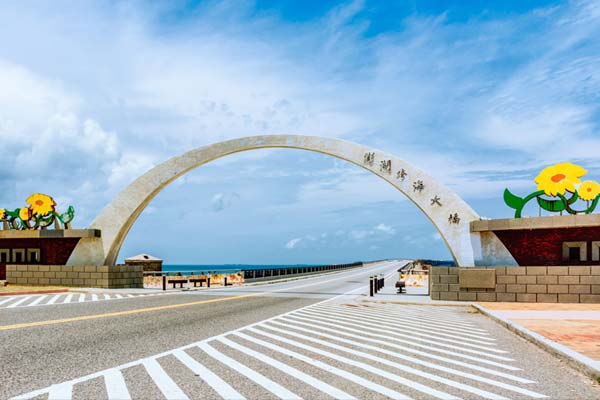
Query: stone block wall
(108, 277)
(548, 284)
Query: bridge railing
(254, 275)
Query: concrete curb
(34, 292)
(578, 361)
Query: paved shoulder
(342, 350)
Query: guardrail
(263, 273)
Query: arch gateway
(450, 215)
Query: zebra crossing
(336, 348)
(65, 298)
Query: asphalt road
(312, 338)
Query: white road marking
(23, 300)
(6, 300)
(266, 383)
(415, 330)
(401, 318)
(412, 343)
(402, 333)
(116, 388)
(69, 299)
(64, 391)
(291, 324)
(409, 359)
(54, 299)
(219, 385)
(291, 371)
(346, 374)
(430, 315)
(164, 382)
(37, 301)
(367, 367)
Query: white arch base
(118, 217)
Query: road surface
(314, 338)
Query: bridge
(446, 210)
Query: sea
(219, 268)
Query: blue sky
(482, 95)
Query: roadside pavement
(570, 331)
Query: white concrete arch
(117, 218)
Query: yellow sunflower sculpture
(557, 179)
(2, 213)
(41, 204)
(25, 214)
(589, 190)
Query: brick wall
(118, 276)
(550, 284)
(544, 246)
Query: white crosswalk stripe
(6, 300)
(273, 387)
(54, 299)
(405, 358)
(291, 371)
(430, 325)
(19, 301)
(219, 385)
(60, 392)
(164, 382)
(116, 388)
(68, 298)
(65, 298)
(38, 300)
(413, 329)
(391, 339)
(402, 348)
(405, 333)
(317, 347)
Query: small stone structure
(107, 277)
(148, 262)
(548, 284)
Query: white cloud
(378, 233)
(386, 229)
(293, 243)
(221, 201)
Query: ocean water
(216, 268)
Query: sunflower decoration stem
(559, 188)
(40, 214)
